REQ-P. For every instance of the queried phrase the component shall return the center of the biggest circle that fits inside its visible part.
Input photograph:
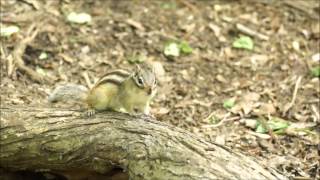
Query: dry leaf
(251, 123)
(259, 60)
(246, 103)
(265, 109)
(158, 68)
(220, 139)
(296, 46)
(316, 57)
(185, 74)
(161, 111)
(221, 79)
(216, 29)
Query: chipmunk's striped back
(114, 77)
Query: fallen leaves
(265, 109)
(243, 42)
(316, 57)
(253, 72)
(274, 124)
(43, 56)
(229, 103)
(279, 126)
(174, 49)
(161, 111)
(79, 18)
(185, 48)
(246, 103)
(6, 31)
(315, 71)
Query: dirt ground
(271, 81)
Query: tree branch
(60, 140)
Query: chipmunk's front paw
(139, 113)
(90, 113)
(136, 112)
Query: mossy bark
(61, 141)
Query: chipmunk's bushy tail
(68, 92)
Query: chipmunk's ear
(153, 68)
(137, 67)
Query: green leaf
(79, 18)
(244, 42)
(41, 71)
(315, 71)
(169, 5)
(185, 48)
(9, 30)
(229, 103)
(261, 129)
(43, 55)
(172, 49)
(275, 124)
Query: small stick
(294, 96)
(316, 113)
(225, 119)
(135, 24)
(19, 51)
(189, 5)
(302, 8)
(251, 32)
(32, 3)
(209, 117)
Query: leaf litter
(252, 51)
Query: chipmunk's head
(145, 78)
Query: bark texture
(61, 140)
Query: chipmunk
(118, 90)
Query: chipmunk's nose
(149, 90)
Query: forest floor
(263, 100)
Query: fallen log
(62, 141)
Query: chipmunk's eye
(140, 81)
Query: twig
(251, 32)
(301, 7)
(66, 58)
(294, 96)
(166, 36)
(33, 3)
(225, 119)
(262, 136)
(135, 24)
(189, 5)
(192, 102)
(312, 101)
(209, 117)
(19, 51)
(316, 113)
